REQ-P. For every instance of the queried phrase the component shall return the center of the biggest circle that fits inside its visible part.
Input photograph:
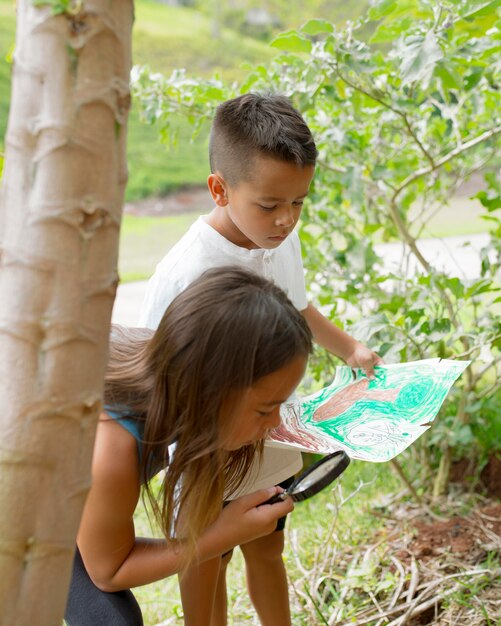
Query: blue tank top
(131, 423)
(124, 416)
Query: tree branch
(448, 157)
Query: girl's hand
(247, 518)
(364, 358)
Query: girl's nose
(274, 420)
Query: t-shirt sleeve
(160, 292)
(295, 270)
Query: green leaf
(490, 200)
(448, 76)
(292, 41)
(316, 27)
(464, 435)
(58, 7)
(456, 286)
(486, 8)
(381, 8)
(436, 327)
(390, 32)
(482, 286)
(472, 79)
(214, 93)
(419, 57)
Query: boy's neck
(219, 221)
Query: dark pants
(89, 606)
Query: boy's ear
(217, 188)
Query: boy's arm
(340, 343)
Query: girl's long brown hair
(227, 330)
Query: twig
(481, 372)
(414, 493)
(336, 614)
(400, 586)
(414, 609)
(293, 538)
(427, 589)
(488, 517)
(376, 603)
(448, 157)
(414, 580)
(409, 486)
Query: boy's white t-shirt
(203, 248)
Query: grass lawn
(145, 240)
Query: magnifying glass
(315, 478)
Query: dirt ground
(467, 537)
(442, 556)
(189, 200)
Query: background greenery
(166, 38)
(405, 107)
(417, 109)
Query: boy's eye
(263, 413)
(267, 208)
(298, 202)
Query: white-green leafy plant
(405, 105)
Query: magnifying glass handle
(278, 497)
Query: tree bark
(60, 210)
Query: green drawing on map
(372, 420)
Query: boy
(262, 161)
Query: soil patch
(189, 200)
(468, 537)
(445, 566)
(464, 472)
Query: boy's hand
(364, 358)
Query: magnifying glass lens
(318, 474)
(315, 478)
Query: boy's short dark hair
(258, 124)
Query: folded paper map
(372, 420)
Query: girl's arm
(335, 340)
(114, 557)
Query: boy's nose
(285, 218)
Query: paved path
(459, 256)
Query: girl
(197, 398)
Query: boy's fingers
(369, 370)
(369, 367)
